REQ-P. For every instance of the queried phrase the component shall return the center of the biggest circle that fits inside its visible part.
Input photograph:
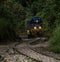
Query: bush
(55, 48)
(7, 29)
(55, 40)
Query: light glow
(34, 27)
(37, 21)
(28, 32)
(39, 27)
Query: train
(35, 27)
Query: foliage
(55, 40)
(17, 12)
(55, 49)
(7, 29)
(11, 12)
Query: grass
(55, 48)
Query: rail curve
(24, 49)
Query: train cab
(34, 27)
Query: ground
(9, 54)
(43, 48)
(25, 51)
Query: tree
(11, 12)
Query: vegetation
(15, 13)
(55, 41)
(7, 29)
(11, 13)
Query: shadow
(10, 41)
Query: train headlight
(39, 27)
(35, 27)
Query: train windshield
(35, 20)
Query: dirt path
(24, 49)
(9, 54)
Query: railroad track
(26, 50)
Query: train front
(35, 27)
